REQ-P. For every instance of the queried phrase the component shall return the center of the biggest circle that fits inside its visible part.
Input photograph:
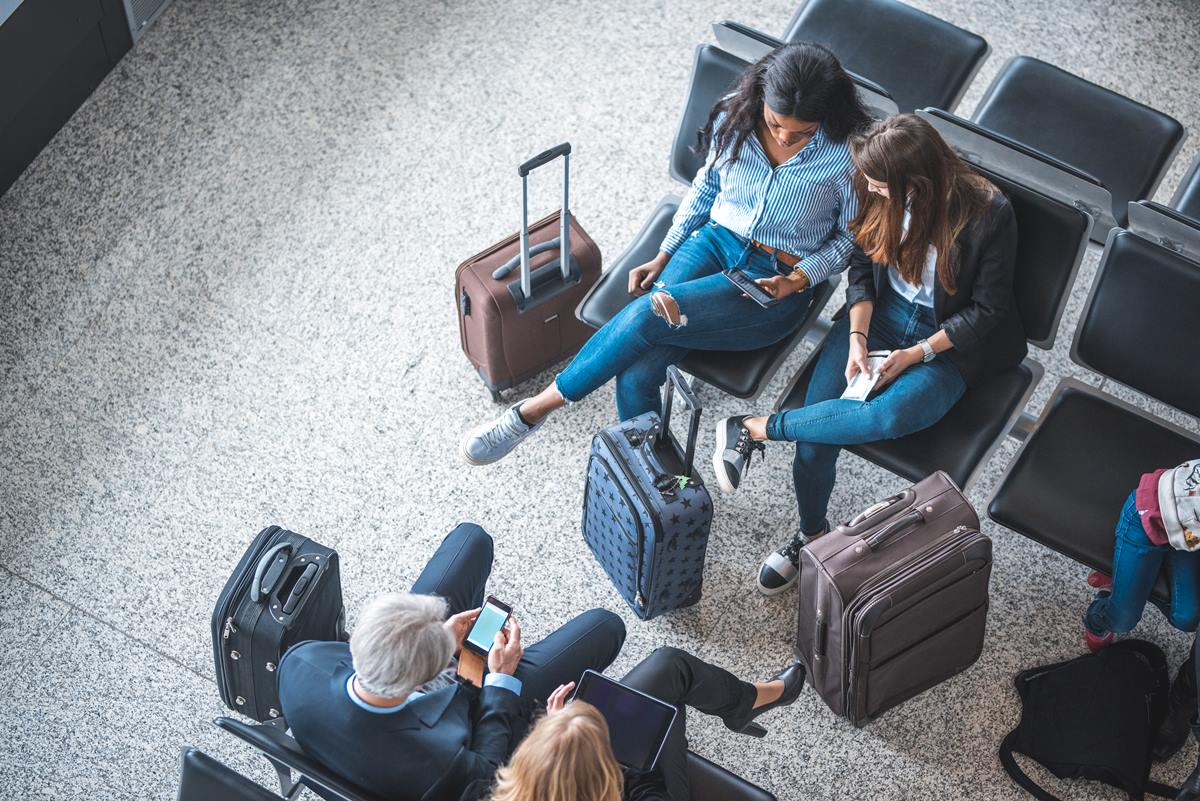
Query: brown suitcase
(516, 300)
(894, 601)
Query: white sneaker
(491, 442)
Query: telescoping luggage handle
(270, 569)
(677, 383)
(562, 242)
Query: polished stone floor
(225, 302)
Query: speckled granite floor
(225, 302)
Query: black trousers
(684, 680)
(459, 571)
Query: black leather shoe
(1181, 708)
(1190, 790)
(793, 682)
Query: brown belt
(785, 258)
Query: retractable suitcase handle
(677, 383)
(564, 221)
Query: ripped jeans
(708, 313)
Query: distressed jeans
(638, 344)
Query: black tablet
(637, 723)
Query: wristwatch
(927, 349)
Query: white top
(922, 294)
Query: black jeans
(459, 571)
(684, 680)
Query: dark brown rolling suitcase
(516, 300)
(894, 601)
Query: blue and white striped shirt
(801, 207)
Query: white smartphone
(861, 385)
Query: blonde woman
(568, 755)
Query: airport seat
(742, 374)
(1051, 241)
(202, 778)
(1125, 144)
(1187, 196)
(920, 59)
(709, 781)
(1067, 484)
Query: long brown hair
(567, 756)
(942, 194)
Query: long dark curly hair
(804, 81)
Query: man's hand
(897, 363)
(459, 625)
(558, 698)
(506, 649)
(642, 277)
(780, 286)
(857, 361)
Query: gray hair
(399, 643)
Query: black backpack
(1093, 717)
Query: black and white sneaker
(732, 455)
(781, 567)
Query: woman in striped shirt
(773, 200)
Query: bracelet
(860, 333)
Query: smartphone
(750, 288)
(492, 617)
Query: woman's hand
(558, 698)
(780, 286)
(642, 277)
(458, 626)
(897, 363)
(857, 361)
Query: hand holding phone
(506, 650)
(490, 620)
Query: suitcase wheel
(496, 396)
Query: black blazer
(981, 317)
(430, 749)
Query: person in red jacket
(1158, 530)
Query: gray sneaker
(491, 442)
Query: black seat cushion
(1187, 197)
(921, 60)
(1125, 144)
(1068, 484)
(203, 778)
(1050, 240)
(1139, 324)
(714, 73)
(711, 782)
(739, 373)
(958, 442)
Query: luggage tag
(861, 385)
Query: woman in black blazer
(930, 283)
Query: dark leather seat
(710, 782)
(1051, 240)
(202, 778)
(1187, 196)
(1067, 485)
(920, 59)
(742, 374)
(1127, 145)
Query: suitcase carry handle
(564, 220)
(910, 518)
(874, 509)
(261, 586)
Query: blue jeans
(637, 345)
(916, 399)
(1136, 563)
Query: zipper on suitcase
(613, 447)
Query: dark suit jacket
(430, 749)
(981, 317)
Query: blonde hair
(566, 757)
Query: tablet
(638, 724)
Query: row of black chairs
(203, 778)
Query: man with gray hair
(384, 710)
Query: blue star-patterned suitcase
(646, 515)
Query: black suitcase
(286, 589)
